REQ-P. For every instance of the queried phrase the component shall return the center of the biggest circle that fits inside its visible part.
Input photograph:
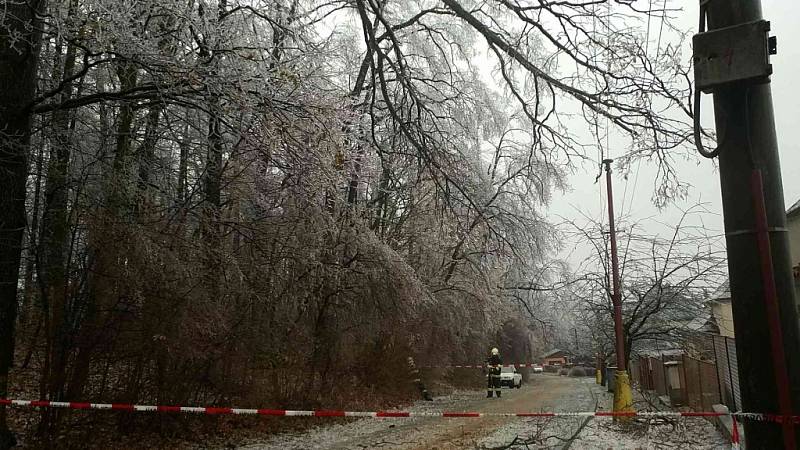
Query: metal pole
(744, 117)
(781, 371)
(598, 374)
(716, 366)
(623, 396)
(685, 379)
(575, 332)
(615, 294)
(700, 384)
(730, 374)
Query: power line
(658, 53)
(600, 155)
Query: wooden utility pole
(731, 60)
(575, 334)
(623, 396)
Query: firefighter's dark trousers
(494, 383)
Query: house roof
(794, 209)
(723, 292)
(554, 352)
(660, 353)
(701, 322)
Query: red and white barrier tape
(481, 366)
(386, 414)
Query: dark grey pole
(745, 122)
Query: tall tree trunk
(27, 306)
(55, 241)
(355, 174)
(212, 181)
(183, 163)
(382, 202)
(212, 184)
(19, 57)
(148, 147)
(282, 23)
(119, 182)
(33, 239)
(147, 153)
(355, 95)
(212, 201)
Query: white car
(538, 369)
(510, 377)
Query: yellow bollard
(623, 396)
(598, 378)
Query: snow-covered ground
(550, 432)
(684, 433)
(543, 393)
(370, 433)
(602, 432)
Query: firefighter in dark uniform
(494, 364)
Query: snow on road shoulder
(686, 432)
(604, 433)
(348, 434)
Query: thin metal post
(616, 298)
(700, 383)
(730, 373)
(716, 366)
(685, 379)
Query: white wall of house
(721, 307)
(793, 225)
(723, 314)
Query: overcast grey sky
(634, 195)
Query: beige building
(721, 309)
(793, 225)
(720, 301)
(555, 357)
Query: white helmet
(495, 351)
